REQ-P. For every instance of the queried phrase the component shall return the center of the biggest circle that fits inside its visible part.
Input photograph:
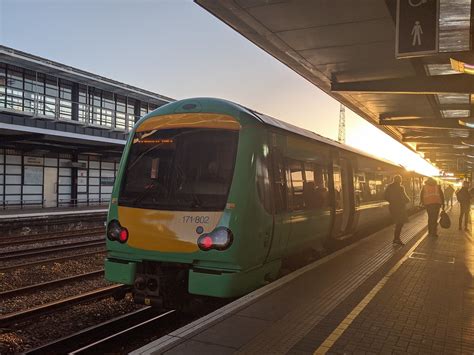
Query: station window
(143, 109)
(15, 79)
(108, 107)
(83, 108)
(65, 104)
(120, 112)
(2, 85)
(26, 90)
(130, 113)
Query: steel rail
(52, 236)
(48, 249)
(93, 337)
(51, 260)
(105, 292)
(14, 225)
(18, 291)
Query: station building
(62, 131)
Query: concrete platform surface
(56, 211)
(370, 297)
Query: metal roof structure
(347, 49)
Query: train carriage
(211, 197)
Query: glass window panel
(120, 120)
(30, 81)
(65, 91)
(15, 79)
(14, 92)
(39, 88)
(2, 77)
(52, 87)
(131, 106)
(29, 105)
(14, 103)
(121, 104)
(131, 121)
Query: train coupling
(148, 300)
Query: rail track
(54, 283)
(50, 260)
(105, 292)
(46, 237)
(15, 254)
(110, 335)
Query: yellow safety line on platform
(334, 336)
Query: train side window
(295, 170)
(315, 187)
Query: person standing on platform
(448, 195)
(432, 198)
(464, 198)
(395, 194)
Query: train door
(343, 197)
(281, 215)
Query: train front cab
(175, 229)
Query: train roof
(271, 121)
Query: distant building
(62, 131)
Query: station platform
(50, 211)
(369, 297)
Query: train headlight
(220, 238)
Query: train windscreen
(179, 169)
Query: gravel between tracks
(65, 241)
(29, 300)
(56, 254)
(57, 325)
(31, 275)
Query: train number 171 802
(196, 219)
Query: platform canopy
(347, 49)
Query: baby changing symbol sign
(416, 32)
(416, 28)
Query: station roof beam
(462, 84)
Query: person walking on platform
(464, 198)
(448, 195)
(395, 194)
(432, 198)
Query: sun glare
(364, 136)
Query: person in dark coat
(432, 198)
(448, 195)
(464, 198)
(395, 194)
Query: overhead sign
(416, 28)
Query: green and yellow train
(212, 197)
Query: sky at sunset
(177, 49)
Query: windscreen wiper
(144, 193)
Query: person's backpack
(444, 221)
